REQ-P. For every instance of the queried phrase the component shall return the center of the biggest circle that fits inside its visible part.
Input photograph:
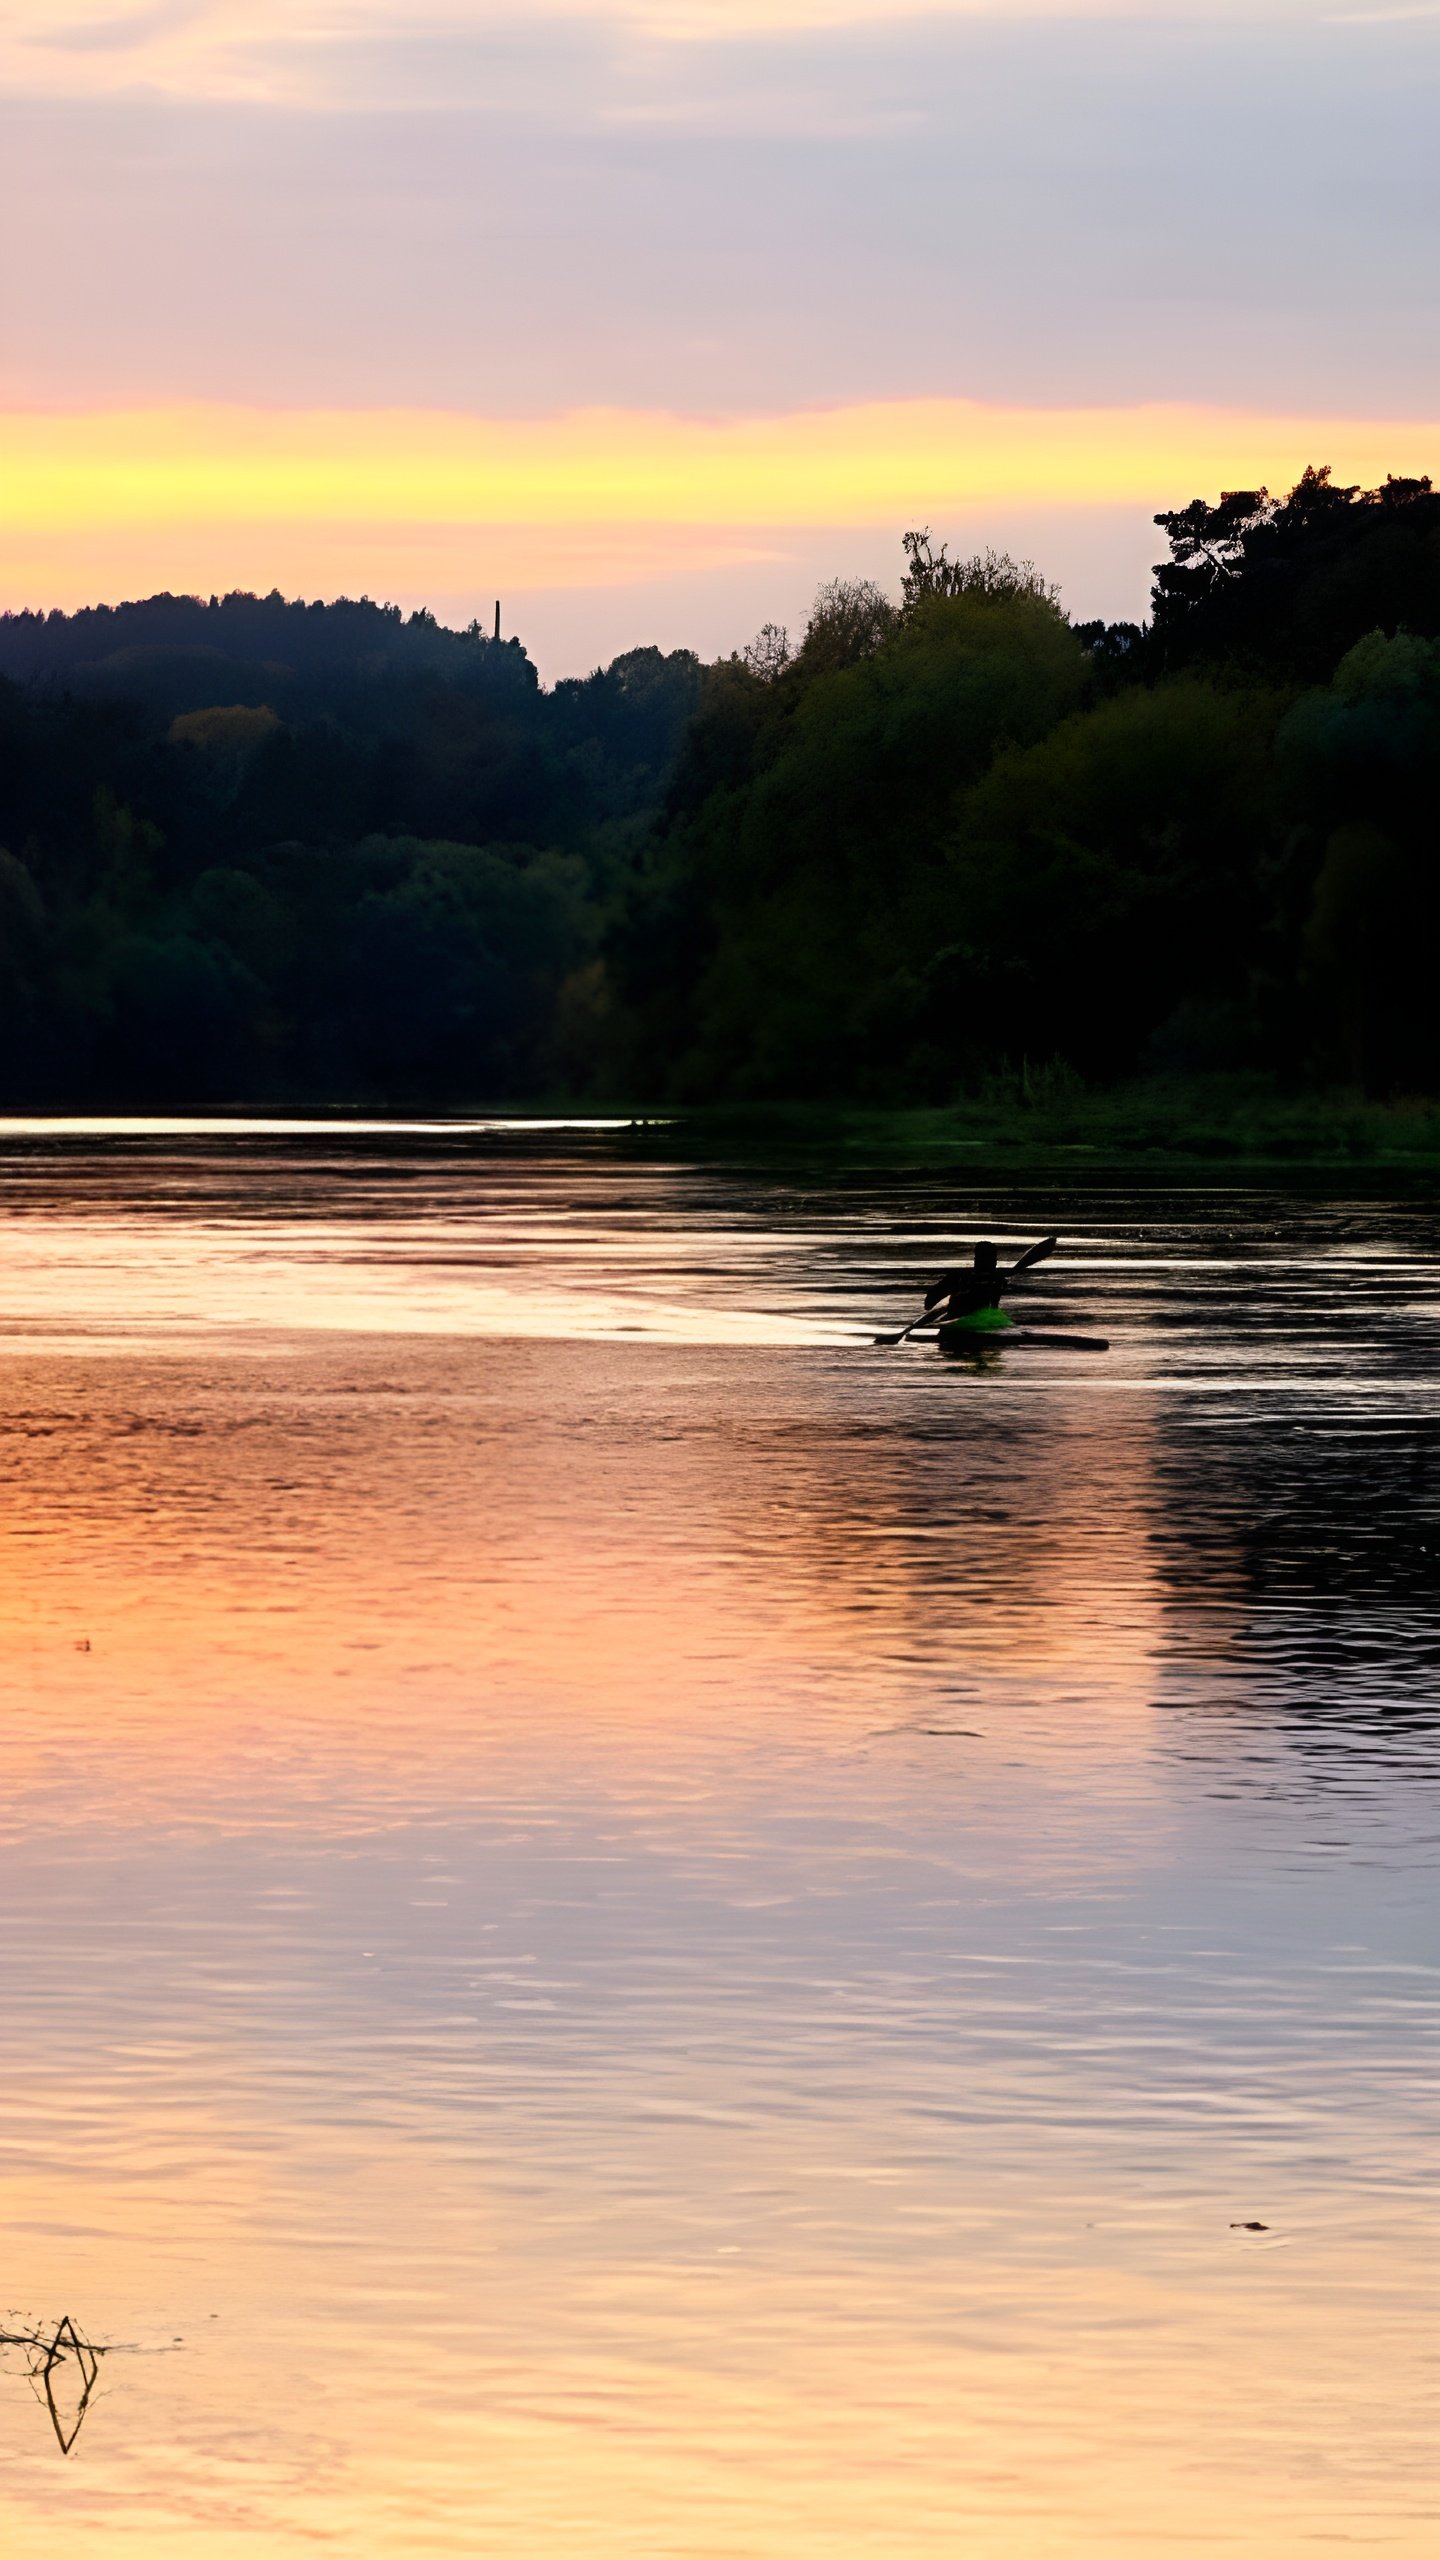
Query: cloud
(349, 53)
(1024, 218)
(641, 214)
(125, 33)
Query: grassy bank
(1044, 1121)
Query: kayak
(991, 1329)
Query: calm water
(633, 1928)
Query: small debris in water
(1249, 2226)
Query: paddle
(1037, 1253)
(888, 1341)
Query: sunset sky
(647, 317)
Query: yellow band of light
(872, 464)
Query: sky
(647, 318)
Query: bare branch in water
(57, 2364)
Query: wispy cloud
(976, 212)
(126, 33)
(344, 52)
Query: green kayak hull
(983, 1320)
(962, 1337)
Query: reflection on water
(636, 1928)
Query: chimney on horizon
(497, 617)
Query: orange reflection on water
(622, 1948)
(241, 1554)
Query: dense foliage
(962, 831)
(259, 848)
(255, 848)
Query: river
(635, 1928)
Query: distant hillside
(252, 846)
(180, 653)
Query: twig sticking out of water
(49, 2359)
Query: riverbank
(1160, 1126)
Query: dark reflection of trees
(65, 2368)
(937, 1523)
(1309, 1510)
(1309, 1550)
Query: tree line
(257, 849)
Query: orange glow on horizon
(127, 501)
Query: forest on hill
(261, 850)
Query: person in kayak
(962, 1296)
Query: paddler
(963, 1295)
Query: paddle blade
(1037, 1253)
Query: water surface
(634, 1928)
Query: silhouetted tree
(1284, 586)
